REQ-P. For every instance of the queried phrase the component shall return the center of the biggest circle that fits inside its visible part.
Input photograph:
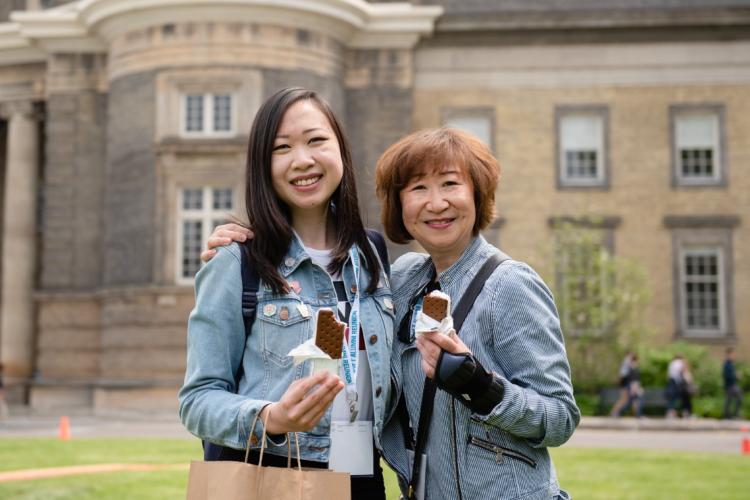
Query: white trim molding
(90, 25)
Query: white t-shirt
(340, 410)
(674, 370)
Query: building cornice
(90, 25)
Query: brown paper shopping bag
(244, 481)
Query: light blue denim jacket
(514, 331)
(211, 407)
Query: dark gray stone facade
(74, 152)
(130, 182)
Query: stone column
(19, 246)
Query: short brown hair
(433, 150)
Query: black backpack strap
(379, 242)
(250, 285)
(459, 314)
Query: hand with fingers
(430, 345)
(224, 235)
(303, 404)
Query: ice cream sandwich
(329, 333)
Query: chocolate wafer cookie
(329, 333)
(435, 307)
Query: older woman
(437, 187)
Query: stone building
(124, 123)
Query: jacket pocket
(284, 324)
(501, 452)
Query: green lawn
(586, 473)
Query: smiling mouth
(306, 182)
(439, 223)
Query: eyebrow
(285, 136)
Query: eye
(281, 147)
(418, 187)
(318, 139)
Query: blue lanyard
(351, 348)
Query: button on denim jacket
(211, 407)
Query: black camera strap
(460, 313)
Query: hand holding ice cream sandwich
(325, 348)
(435, 315)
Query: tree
(601, 300)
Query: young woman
(310, 251)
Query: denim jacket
(211, 407)
(514, 331)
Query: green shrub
(588, 403)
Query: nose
(436, 201)
(301, 158)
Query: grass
(585, 473)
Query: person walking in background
(732, 391)
(687, 389)
(635, 390)
(3, 405)
(674, 382)
(631, 384)
(622, 400)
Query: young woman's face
(438, 211)
(306, 166)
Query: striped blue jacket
(514, 330)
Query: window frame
(683, 253)
(720, 177)
(701, 232)
(208, 130)
(602, 180)
(207, 215)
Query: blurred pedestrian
(732, 391)
(3, 405)
(687, 389)
(622, 399)
(674, 384)
(633, 389)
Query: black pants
(363, 487)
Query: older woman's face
(438, 211)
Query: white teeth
(306, 182)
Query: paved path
(77, 470)
(696, 435)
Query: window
(701, 289)
(697, 145)
(477, 121)
(208, 114)
(582, 141)
(703, 273)
(200, 210)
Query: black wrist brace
(464, 378)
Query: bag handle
(264, 423)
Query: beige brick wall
(640, 177)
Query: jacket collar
(459, 269)
(296, 255)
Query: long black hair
(270, 217)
